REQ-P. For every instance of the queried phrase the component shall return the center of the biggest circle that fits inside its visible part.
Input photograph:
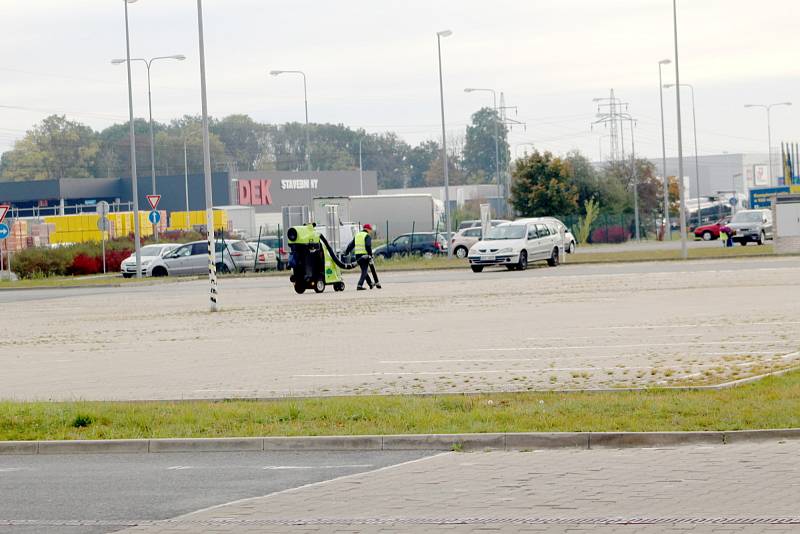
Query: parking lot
(571, 327)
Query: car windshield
(152, 250)
(747, 217)
(515, 231)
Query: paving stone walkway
(733, 488)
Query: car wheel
(552, 261)
(222, 268)
(761, 238)
(319, 286)
(461, 252)
(128, 275)
(476, 268)
(571, 247)
(511, 267)
(299, 289)
(160, 271)
(743, 243)
(427, 255)
(280, 266)
(523, 261)
(707, 236)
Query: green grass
(773, 402)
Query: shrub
(85, 264)
(609, 234)
(114, 259)
(38, 262)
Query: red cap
(367, 226)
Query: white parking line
(548, 358)
(632, 345)
(346, 466)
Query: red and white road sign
(154, 200)
(3, 211)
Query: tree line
(61, 148)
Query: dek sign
(255, 192)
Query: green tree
(542, 185)
(479, 148)
(420, 160)
(114, 158)
(435, 173)
(591, 183)
(55, 148)
(242, 138)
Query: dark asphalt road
(132, 487)
(405, 277)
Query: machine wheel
(222, 268)
(299, 289)
(461, 252)
(477, 268)
(707, 236)
(319, 286)
(338, 286)
(761, 238)
(552, 261)
(523, 261)
(159, 271)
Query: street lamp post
(134, 182)
(360, 166)
(148, 63)
(668, 229)
(212, 267)
(305, 98)
(696, 164)
(439, 35)
(496, 137)
(684, 245)
(769, 107)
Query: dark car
(274, 242)
(421, 244)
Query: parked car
(192, 258)
(461, 242)
(516, 244)
(274, 242)
(265, 257)
(569, 241)
(709, 232)
(473, 223)
(751, 225)
(151, 256)
(422, 244)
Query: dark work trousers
(363, 262)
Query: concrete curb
(428, 442)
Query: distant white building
(723, 172)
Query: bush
(85, 264)
(609, 234)
(39, 262)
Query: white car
(515, 245)
(151, 257)
(192, 259)
(266, 259)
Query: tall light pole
(439, 35)
(305, 99)
(769, 107)
(360, 166)
(668, 229)
(496, 138)
(137, 245)
(696, 164)
(212, 267)
(148, 63)
(684, 245)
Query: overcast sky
(372, 64)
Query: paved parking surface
(735, 488)
(590, 326)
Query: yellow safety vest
(360, 248)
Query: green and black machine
(313, 261)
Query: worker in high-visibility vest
(361, 246)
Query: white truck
(392, 214)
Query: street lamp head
(785, 104)
(665, 62)
(117, 61)
(179, 57)
(130, 1)
(469, 89)
(275, 72)
(669, 85)
(444, 33)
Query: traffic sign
(103, 224)
(3, 211)
(4, 231)
(102, 208)
(154, 200)
(154, 217)
(733, 201)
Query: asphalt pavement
(55, 494)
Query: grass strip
(773, 402)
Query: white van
(514, 245)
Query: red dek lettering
(255, 192)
